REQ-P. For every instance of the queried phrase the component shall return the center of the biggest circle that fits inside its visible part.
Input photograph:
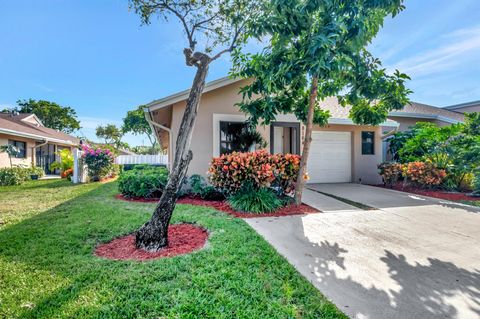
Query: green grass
(47, 270)
(471, 202)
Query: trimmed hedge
(143, 183)
(17, 175)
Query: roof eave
(36, 137)
(425, 116)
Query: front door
(285, 138)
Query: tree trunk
(306, 142)
(153, 235)
(10, 158)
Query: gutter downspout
(148, 117)
(34, 156)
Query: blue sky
(96, 57)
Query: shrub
(476, 184)
(67, 173)
(145, 183)
(18, 175)
(255, 200)
(99, 162)
(66, 161)
(424, 174)
(230, 172)
(390, 172)
(199, 187)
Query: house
(38, 144)
(468, 107)
(340, 152)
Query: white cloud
(455, 49)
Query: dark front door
(45, 156)
(285, 138)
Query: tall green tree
(52, 115)
(317, 49)
(111, 134)
(136, 124)
(212, 28)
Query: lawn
(49, 229)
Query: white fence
(79, 168)
(142, 159)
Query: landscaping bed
(224, 206)
(182, 239)
(452, 196)
(49, 270)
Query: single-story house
(468, 107)
(340, 152)
(38, 144)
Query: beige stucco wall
(222, 101)
(5, 162)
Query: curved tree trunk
(153, 235)
(306, 142)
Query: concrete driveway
(414, 257)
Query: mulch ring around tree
(223, 206)
(182, 239)
(453, 196)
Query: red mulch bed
(431, 193)
(223, 206)
(182, 239)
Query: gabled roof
(339, 114)
(18, 124)
(425, 111)
(462, 105)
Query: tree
(136, 124)
(52, 115)
(111, 134)
(216, 27)
(317, 49)
(11, 150)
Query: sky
(96, 57)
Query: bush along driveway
(48, 269)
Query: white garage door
(330, 159)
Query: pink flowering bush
(99, 161)
(230, 172)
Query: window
(22, 148)
(368, 139)
(229, 137)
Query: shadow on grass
(237, 275)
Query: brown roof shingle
(16, 123)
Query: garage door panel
(330, 157)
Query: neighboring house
(340, 152)
(468, 107)
(38, 144)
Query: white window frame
(217, 118)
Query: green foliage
(250, 137)
(199, 187)
(390, 172)
(66, 161)
(111, 134)
(52, 115)
(136, 124)
(476, 183)
(46, 246)
(327, 41)
(255, 200)
(143, 182)
(99, 162)
(18, 175)
(146, 150)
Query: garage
(330, 159)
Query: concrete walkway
(325, 203)
(415, 257)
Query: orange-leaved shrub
(230, 172)
(390, 172)
(424, 174)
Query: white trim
(425, 116)
(34, 116)
(462, 105)
(152, 123)
(344, 121)
(34, 136)
(183, 95)
(239, 118)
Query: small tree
(212, 28)
(52, 115)
(11, 150)
(318, 50)
(136, 124)
(111, 134)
